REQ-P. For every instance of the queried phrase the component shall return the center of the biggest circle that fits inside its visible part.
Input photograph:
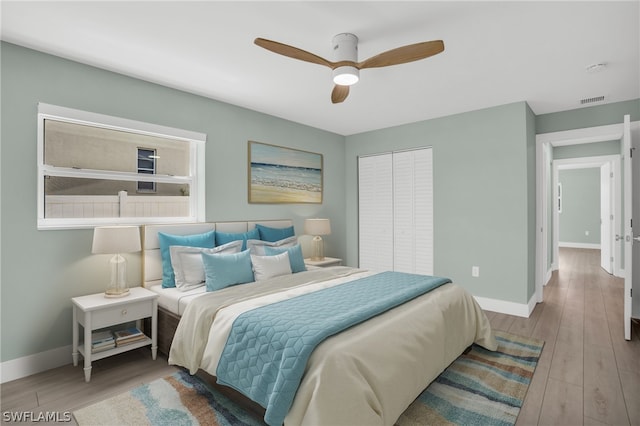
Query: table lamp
(115, 240)
(317, 227)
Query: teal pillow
(274, 234)
(205, 240)
(295, 256)
(224, 270)
(225, 237)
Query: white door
(606, 257)
(628, 231)
(413, 211)
(375, 212)
(395, 211)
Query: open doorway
(545, 144)
(544, 200)
(587, 206)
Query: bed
(367, 372)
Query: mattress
(368, 374)
(174, 300)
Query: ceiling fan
(346, 68)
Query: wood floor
(587, 374)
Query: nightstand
(96, 311)
(327, 261)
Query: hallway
(588, 373)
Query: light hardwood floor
(587, 374)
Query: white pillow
(257, 246)
(265, 267)
(187, 263)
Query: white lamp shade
(317, 227)
(116, 239)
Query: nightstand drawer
(119, 314)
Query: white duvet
(366, 375)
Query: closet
(395, 211)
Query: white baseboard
(547, 277)
(36, 363)
(594, 246)
(506, 307)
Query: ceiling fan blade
(339, 93)
(404, 54)
(291, 52)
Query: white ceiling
(495, 53)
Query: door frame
(615, 201)
(544, 143)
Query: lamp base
(118, 285)
(115, 293)
(318, 248)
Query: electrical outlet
(475, 271)
(586, 233)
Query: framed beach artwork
(283, 175)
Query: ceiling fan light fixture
(346, 75)
(345, 65)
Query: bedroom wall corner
(531, 201)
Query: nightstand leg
(154, 330)
(87, 373)
(74, 352)
(87, 346)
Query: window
(147, 165)
(89, 168)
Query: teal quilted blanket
(268, 347)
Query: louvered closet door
(413, 211)
(396, 211)
(375, 210)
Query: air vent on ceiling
(591, 100)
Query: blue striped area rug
(480, 387)
(176, 400)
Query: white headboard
(151, 259)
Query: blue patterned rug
(480, 387)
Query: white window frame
(195, 180)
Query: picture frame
(278, 175)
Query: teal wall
(593, 116)
(42, 270)
(531, 201)
(580, 206)
(586, 150)
(484, 181)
